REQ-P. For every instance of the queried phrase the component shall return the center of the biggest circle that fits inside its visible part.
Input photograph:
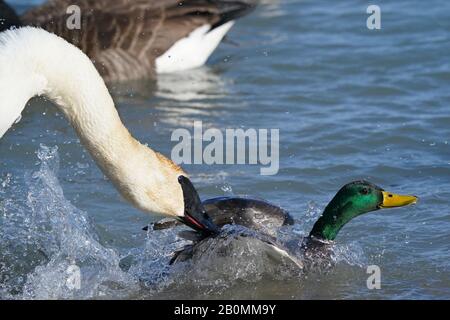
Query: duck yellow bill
(392, 200)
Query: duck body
(130, 40)
(237, 222)
(243, 222)
(245, 232)
(234, 241)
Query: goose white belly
(192, 51)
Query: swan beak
(195, 215)
(392, 200)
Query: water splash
(150, 263)
(45, 235)
(227, 189)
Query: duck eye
(364, 191)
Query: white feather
(192, 51)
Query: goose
(34, 62)
(262, 220)
(134, 39)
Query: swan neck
(35, 62)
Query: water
(351, 103)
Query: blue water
(350, 103)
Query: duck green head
(352, 200)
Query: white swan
(35, 62)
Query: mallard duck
(133, 39)
(262, 220)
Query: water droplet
(18, 119)
(227, 189)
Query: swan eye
(364, 191)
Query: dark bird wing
(258, 215)
(255, 214)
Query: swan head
(145, 178)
